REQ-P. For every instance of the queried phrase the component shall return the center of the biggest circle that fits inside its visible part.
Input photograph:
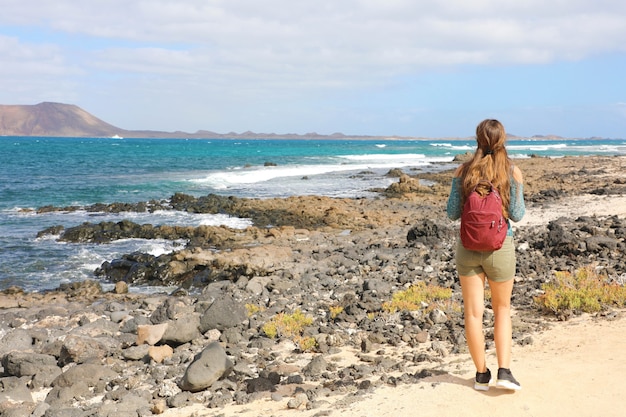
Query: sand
(575, 369)
(575, 206)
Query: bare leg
(501, 303)
(473, 288)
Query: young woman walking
(490, 162)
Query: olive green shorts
(498, 265)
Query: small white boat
(116, 137)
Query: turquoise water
(36, 172)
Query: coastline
(377, 233)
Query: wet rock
(121, 288)
(83, 289)
(406, 185)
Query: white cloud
(347, 33)
(250, 49)
(33, 72)
(18, 57)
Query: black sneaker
(506, 380)
(481, 383)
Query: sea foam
(345, 163)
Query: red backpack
(483, 227)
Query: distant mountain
(52, 119)
(68, 120)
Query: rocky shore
(334, 263)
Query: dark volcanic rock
(430, 233)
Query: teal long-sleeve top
(517, 207)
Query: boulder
(182, 330)
(28, 364)
(16, 340)
(79, 382)
(79, 349)
(86, 374)
(208, 367)
(223, 313)
(430, 233)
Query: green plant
(582, 291)
(418, 296)
(290, 326)
(306, 344)
(335, 311)
(252, 309)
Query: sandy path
(588, 205)
(575, 369)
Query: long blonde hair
(490, 162)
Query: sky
(415, 68)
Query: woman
(490, 162)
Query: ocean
(43, 171)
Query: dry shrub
(584, 291)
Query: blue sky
(364, 67)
